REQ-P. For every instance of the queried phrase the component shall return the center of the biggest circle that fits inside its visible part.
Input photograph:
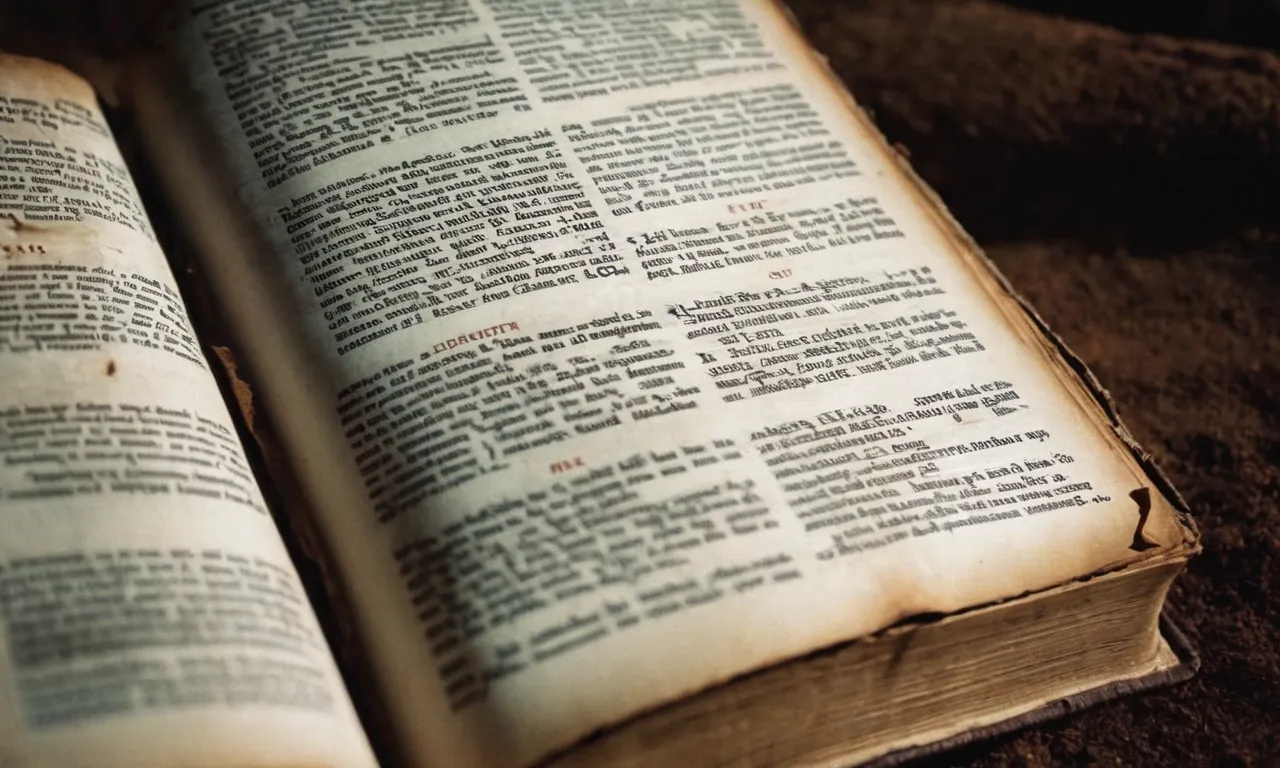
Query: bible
(631, 401)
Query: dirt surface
(1127, 185)
(1247, 22)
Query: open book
(646, 408)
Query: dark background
(1122, 167)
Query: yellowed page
(149, 614)
(617, 356)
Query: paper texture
(148, 611)
(617, 354)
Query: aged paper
(617, 354)
(148, 610)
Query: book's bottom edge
(1188, 663)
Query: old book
(645, 407)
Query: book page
(619, 356)
(149, 613)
